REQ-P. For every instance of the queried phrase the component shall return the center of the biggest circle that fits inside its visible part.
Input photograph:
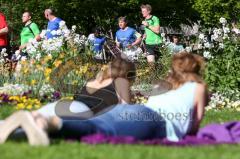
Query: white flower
(24, 58)
(17, 52)
(62, 24)
(54, 32)
(74, 27)
(236, 30)
(207, 54)
(217, 31)
(66, 32)
(223, 20)
(199, 46)
(163, 34)
(58, 32)
(201, 36)
(188, 49)
(221, 45)
(214, 37)
(226, 30)
(43, 33)
(207, 45)
(225, 36)
(38, 56)
(3, 50)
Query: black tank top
(100, 99)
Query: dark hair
(97, 31)
(175, 37)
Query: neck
(52, 17)
(124, 28)
(28, 22)
(149, 16)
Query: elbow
(7, 30)
(38, 38)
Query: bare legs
(35, 134)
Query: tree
(87, 14)
(211, 10)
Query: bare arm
(37, 37)
(155, 29)
(201, 100)
(123, 90)
(4, 31)
(138, 40)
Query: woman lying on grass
(171, 115)
(110, 87)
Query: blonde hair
(146, 6)
(185, 67)
(118, 68)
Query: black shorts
(153, 49)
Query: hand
(144, 36)
(130, 46)
(21, 47)
(145, 23)
(118, 44)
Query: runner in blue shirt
(126, 37)
(97, 42)
(53, 24)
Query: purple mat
(228, 133)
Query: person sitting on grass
(170, 115)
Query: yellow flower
(57, 63)
(29, 107)
(74, 82)
(47, 79)
(23, 62)
(39, 67)
(47, 71)
(15, 98)
(62, 55)
(37, 106)
(70, 98)
(20, 106)
(33, 82)
(25, 70)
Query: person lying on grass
(110, 87)
(170, 115)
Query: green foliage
(222, 72)
(87, 14)
(211, 11)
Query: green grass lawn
(75, 150)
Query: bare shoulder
(201, 88)
(202, 93)
(121, 81)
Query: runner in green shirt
(152, 32)
(29, 31)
